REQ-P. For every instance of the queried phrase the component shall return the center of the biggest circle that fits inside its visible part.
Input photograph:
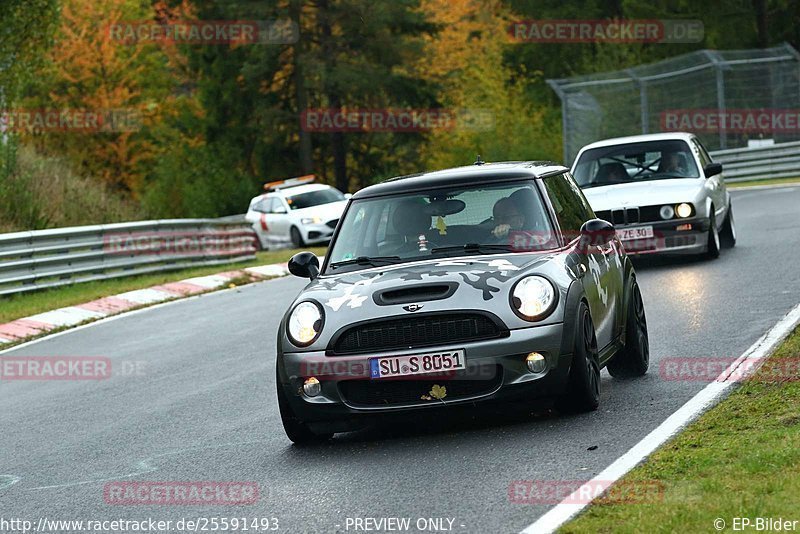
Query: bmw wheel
(712, 249)
(728, 234)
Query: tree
(498, 119)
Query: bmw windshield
(635, 162)
(485, 219)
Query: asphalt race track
(202, 405)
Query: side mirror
(712, 169)
(596, 232)
(279, 209)
(304, 265)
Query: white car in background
(296, 212)
(662, 193)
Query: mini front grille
(416, 331)
(385, 392)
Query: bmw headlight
(533, 298)
(305, 323)
(683, 210)
(666, 212)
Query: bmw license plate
(639, 232)
(417, 364)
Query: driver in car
(672, 163)
(507, 216)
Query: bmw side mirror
(712, 169)
(304, 265)
(596, 232)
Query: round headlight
(666, 212)
(684, 210)
(305, 324)
(533, 298)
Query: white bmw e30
(662, 192)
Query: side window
(705, 158)
(570, 205)
(276, 206)
(263, 205)
(587, 208)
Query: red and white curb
(41, 323)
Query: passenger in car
(611, 173)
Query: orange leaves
(91, 68)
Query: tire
(633, 359)
(728, 234)
(297, 238)
(712, 248)
(582, 393)
(297, 431)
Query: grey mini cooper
(482, 283)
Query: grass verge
(739, 460)
(26, 304)
(775, 181)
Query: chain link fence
(726, 97)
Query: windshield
(635, 162)
(314, 198)
(443, 222)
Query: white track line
(705, 399)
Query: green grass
(774, 181)
(26, 304)
(741, 459)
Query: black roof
(487, 172)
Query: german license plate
(417, 364)
(638, 232)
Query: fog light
(311, 387)
(536, 362)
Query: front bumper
(496, 370)
(316, 233)
(668, 239)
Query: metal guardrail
(60, 256)
(760, 163)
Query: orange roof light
(290, 182)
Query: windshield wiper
(474, 248)
(365, 260)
